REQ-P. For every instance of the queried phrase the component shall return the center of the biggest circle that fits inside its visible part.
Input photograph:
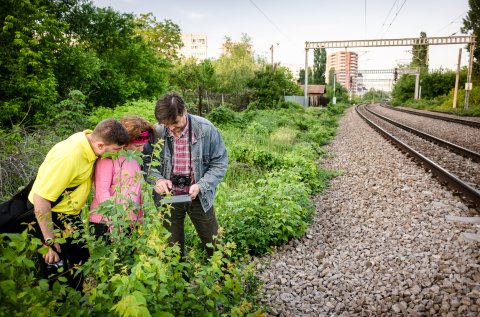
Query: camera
(53, 267)
(181, 180)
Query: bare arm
(43, 214)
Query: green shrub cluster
(273, 170)
(133, 272)
(266, 212)
(224, 116)
(263, 201)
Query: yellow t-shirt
(68, 164)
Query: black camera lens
(53, 268)
(181, 180)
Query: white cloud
(195, 15)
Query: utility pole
(271, 51)
(417, 84)
(305, 103)
(457, 78)
(468, 84)
(334, 81)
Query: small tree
(165, 36)
(270, 84)
(471, 23)
(195, 77)
(420, 55)
(237, 66)
(319, 66)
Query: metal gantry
(442, 40)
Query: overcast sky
(292, 23)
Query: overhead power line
(451, 22)
(388, 15)
(269, 20)
(395, 16)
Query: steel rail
(443, 143)
(442, 174)
(430, 115)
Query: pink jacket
(112, 174)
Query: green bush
(289, 105)
(142, 108)
(224, 116)
(265, 212)
(263, 201)
(134, 272)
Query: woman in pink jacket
(121, 175)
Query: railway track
(436, 116)
(453, 165)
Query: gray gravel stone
(380, 244)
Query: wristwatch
(49, 242)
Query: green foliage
(78, 69)
(269, 85)
(21, 292)
(190, 76)
(132, 272)
(444, 103)
(267, 212)
(50, 48)
(341, 93)
(164, 37)
(375, 95)
(263, 201)
(141, 108)
(404, 88)
(22, 152)
(441, 82)
(236, 67)
(319, 66)
(434, 84)
(471, 25)
(273, 169)
(69, 116)
(225, 116)
(289, 105)
(30, 36)
(130, 67)
(420, 55)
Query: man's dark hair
(169, 107)
(111, 131)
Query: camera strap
(169, 137)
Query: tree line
(50, 48)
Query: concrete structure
(346, 68)
(194, 45)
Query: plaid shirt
(181, 159)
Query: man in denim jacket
(193, 161)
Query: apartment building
(345, 65)
(295, 69)
(194, 45)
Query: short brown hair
(110, 131)
(135, 125)
(169, 107)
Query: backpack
(16, 211)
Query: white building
(194, 45)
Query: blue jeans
(205, 224)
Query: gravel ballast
(386, 240)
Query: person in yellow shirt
(64, 180)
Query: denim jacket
(209, 158)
